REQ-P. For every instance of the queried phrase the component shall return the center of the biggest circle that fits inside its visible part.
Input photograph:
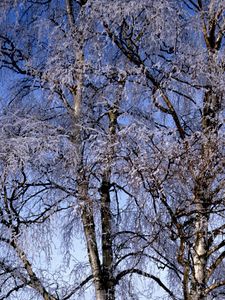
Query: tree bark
(203, 201)
(102, 273)
(107, 253)
(200, 251)
(92, 248)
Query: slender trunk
(210, 126)
(106, 215)
(84, 202)
(107, 253)
(212, 105)
(202, 201)
(199, 254)
(102, 274)
(93, 255)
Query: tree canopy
(112, 149)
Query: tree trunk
(106, 215)
(203, 201)
(85, 203)
(107, 253)
(199, 254)
(87, 215)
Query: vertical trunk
(102, 274)
(202, 204)
(106, 215)
(199, 254)
(85, 203)
(77, 93)
(93, 255)
(107, 253)
(210, 125)
(211, 108)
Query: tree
(120, 134)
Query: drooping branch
(147, 275)
(34, 281)
(82, 284)
(135, 58)
(15, 289)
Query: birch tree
(191, 201)
(132, 95)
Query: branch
(195, 6)
(69, 9)
(15, 289)
(142, 273)
(220, 37)
(215, 264)
(135, 58)
(214, 286)
(78, 287)
(216, 248)
(34, 281)
(14, 272)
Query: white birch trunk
(84, 202)
(199, 256)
